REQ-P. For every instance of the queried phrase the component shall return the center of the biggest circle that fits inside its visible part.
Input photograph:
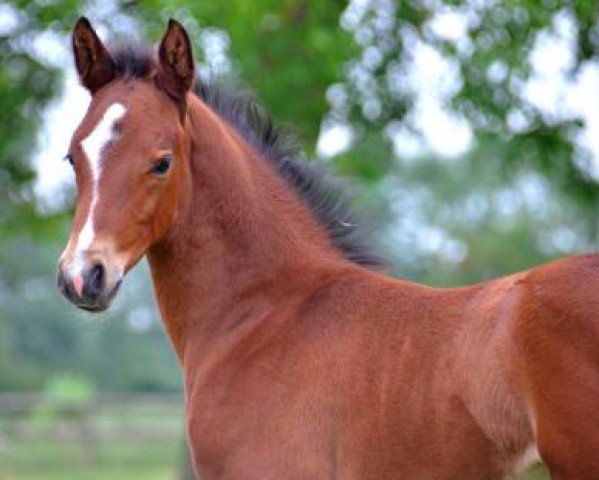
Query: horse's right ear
(94, 64)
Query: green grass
(109, 460)
(115, 441)
(536, 472)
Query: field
(536, 472)
(116, 438)
(44, 460)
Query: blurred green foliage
(64, 396)
(27, 83)
(285, 50)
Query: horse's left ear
(176, 75)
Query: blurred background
(469, 132)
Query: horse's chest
(229, 444)
(237, 431)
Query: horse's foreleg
(563, 374)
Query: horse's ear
(176, 75)
(94, 64)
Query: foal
(300, 362)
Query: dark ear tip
(83, 22)
(172, 23)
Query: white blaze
(92, 146)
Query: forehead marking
(92, 146)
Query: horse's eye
(69, 158)
(162, 165)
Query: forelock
(133, 60)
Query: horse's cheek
(164, 210)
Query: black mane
(319, 192)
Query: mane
(323, 195)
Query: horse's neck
(241, 238)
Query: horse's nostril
(95, 280)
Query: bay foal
(300, 362)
